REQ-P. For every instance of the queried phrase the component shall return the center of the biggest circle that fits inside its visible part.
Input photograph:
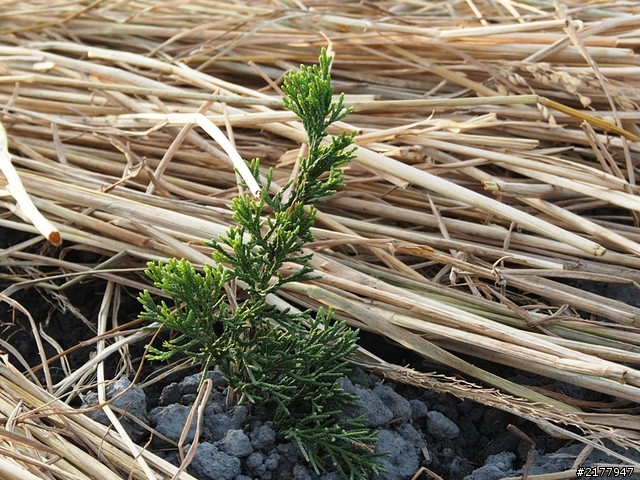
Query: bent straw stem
(16, 190)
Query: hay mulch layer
(492, 209)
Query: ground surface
(452, 438)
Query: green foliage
(283, 362)
(309, 96)
(199, 305)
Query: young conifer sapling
(284, 363)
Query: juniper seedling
(282, 362)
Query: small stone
(301, 473)
(190, 384)
(254, 460)
(373, 408)
(218, 424)
(418, 409)
(217, 378)
(504, 460)
(263, 437)
(398, 405)
(170, 394)
(211, 464)
(411, 435)
(399, 457)
(126, 397)
(440, 426)
(332, 476)
(487, 472)
(345, 384)
(271, 463)
(236, 444)
(171, 420)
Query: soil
(419, 431)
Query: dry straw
(492, 202)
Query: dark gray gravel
(455, 439)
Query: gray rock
(271, 463)
(217, 424)
(398, 405)
(170, 394)
(300, 472)
(130, 399)
(254, 460)
(288, 456)
(217, 378)
(440, 426)
(564, 459)
(211, 464)
(459, 468)
(495, 467)
(504, 461)
(418, 409)
(171, 420)
(375, 411)
(133, 399)
(400, 457)
(361, 377)
(261, 471)
(332, 476)
(628, 294)
(236, 444)
(488, 472)
(190, 383)
(345, 384)
(379, 406)
(262, 437)
(411, 435)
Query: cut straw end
(17, 191)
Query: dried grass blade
(59, 415)
(603, 234)
(16, 190)
(373, 318)
(451, 190)
(108, 93)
